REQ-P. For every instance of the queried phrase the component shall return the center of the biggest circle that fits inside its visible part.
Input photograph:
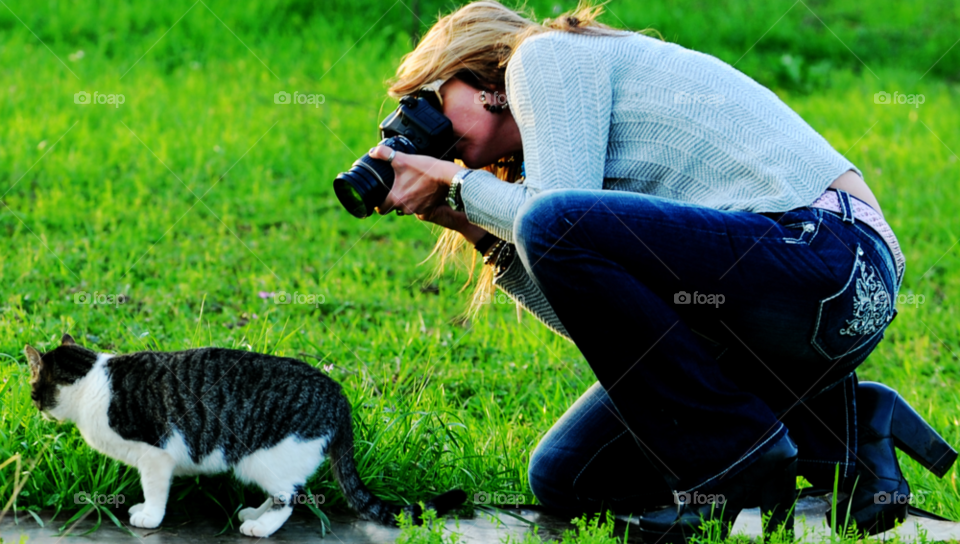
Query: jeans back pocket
(855, 316)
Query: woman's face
(482, 137)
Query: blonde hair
(475, 43)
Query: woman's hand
(421, 183)
(447, 217)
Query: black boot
(881, 495)
(769, 482)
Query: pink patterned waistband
(862, 211)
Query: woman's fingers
(418, 184)
(386, 206)
(383, 152)
(444, 216)
(390, 204)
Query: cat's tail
(368, 505)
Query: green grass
(105, 200)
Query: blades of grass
(229, 524)
(846, 519)
(186, 491)
(215, 501)
(492, 509)
(263, 337)
(283, 338)
(324, 520)
(17, 483)
(833, 500)
(106, 510)
(56, 512)
(13, 459)
(16, 489)
(82, 513)
(196, 332)
(446, 428)
(36, 517)
(97, 524)
(5, 384)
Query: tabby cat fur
(271, 420)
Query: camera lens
(350, 198)
(367, 184)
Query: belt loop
(845, 206)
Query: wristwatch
(453, 195)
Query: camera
(416, 127)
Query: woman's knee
(544, 220)
(548, 481)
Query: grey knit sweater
(633, 113)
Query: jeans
(712, 334)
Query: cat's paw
(145, 517)
(136, 508)
(248, 514)
(256, 528)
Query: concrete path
(301, 527)
(812, 526)
(304, 527)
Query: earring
(492, 108)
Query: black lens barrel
(368, 182)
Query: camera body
(416, 127)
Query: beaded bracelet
(500, 256)
(504, 258)
(491, 255)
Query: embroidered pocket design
(854, 317)
(871, 303)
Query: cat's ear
(67, 340)
(36, 363)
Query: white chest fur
(86, 402)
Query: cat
(271, 420)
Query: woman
(720, 266)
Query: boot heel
(915, 437)
(778, 496)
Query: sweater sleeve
(559, 92)
(520, 287)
